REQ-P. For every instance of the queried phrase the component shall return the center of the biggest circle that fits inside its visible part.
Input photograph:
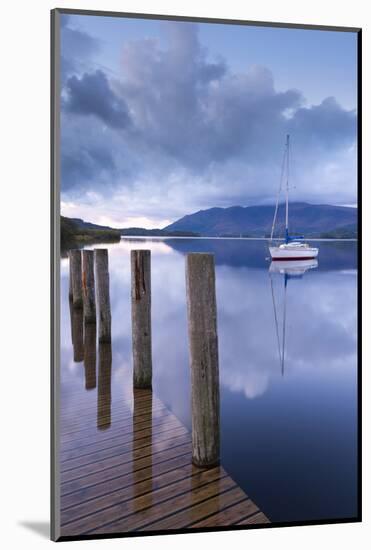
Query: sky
(160, 119)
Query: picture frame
(56, 433)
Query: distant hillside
(343, 232)
(140, 232)
(310, 219)
(74, 235)
(81, 224)
(76, 228)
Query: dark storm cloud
(85, 165)
(201, 113)
(77, 48)
(91, 95)
(324, 125)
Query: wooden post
(204, 363)
(75, 270)
(88, 286)
(104, 306)
(141, 318)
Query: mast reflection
(290, 270)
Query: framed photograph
(206, 281)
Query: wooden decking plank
(70, 451)
(136, 474)
(117, 412)
(195, 512)
(124, 436)
(87, 410)
(229, 515)
(127, 449)
(75, 435)
(131, 457)
(123, 493)
(108, 446)
(103, 488)
(257, 518)
(135, 393)
(138, 504)
(109, 473)
(170, 511)
(120, 427)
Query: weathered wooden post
(141, 318)
(104, 306)
(88, 286)
(76, 276)
(204, 363)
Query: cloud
(325, 125)
(77, 47)
(177, 130)
(91, 95)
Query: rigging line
(279, 191)
(276, 320)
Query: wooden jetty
(127, 464)
(137, 475)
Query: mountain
(310, 219)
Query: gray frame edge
(197, 19)
(55, 274)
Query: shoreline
(163, 238)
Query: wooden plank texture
(137, 473)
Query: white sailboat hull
(287, 252)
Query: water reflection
(104, 386)
(90, 356)
(288, 269)
(312, 409)
(142, 439)
(77, 325)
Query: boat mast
(287, 188)
(279, 191)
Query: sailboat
(293, 248)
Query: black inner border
(55, 267)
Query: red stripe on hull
(289, 258)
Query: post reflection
(90, 356)
(70, 303)
(142, 442)
(104, 386)
(77, 326)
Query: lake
(287, 357)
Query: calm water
(288, 409)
